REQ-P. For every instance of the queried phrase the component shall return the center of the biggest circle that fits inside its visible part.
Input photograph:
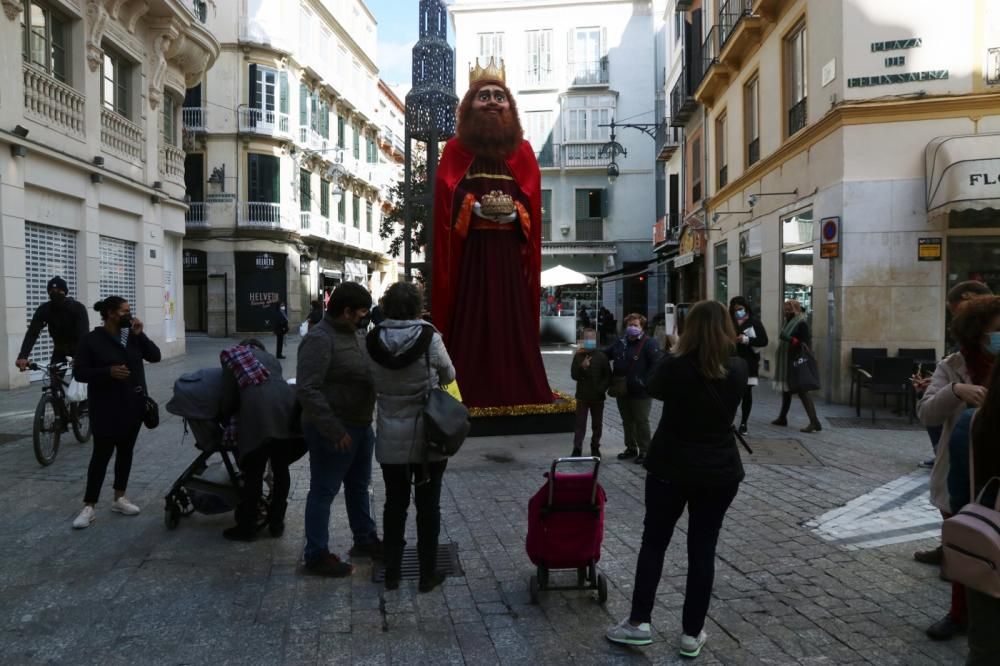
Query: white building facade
(92, 168)
(877, 120)
(283, 166)
(573, 66)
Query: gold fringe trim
(565, 405)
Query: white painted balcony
(338, 232)
(310, 139)
(196, 215)
(583, 155)
(264, 122)
(171, 163)
(353, 236)
(261, 215)
(53, 103)
(195, 118)
(305, 220)
(122, 136)
(254, 32)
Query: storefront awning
(963, 172)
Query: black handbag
(151, 413)
(446, 420)
(804, 373)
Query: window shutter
(283, 93)
(275, 165)
(254, 102)
(303, 105)
(604, 42)
(604, 202)
(582, 205)
(570, 38)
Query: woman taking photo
(408, 360)
(795, 338)
(959, 382)
(750, 336)
(693, 462)
(109, 360)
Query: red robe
(496, 350)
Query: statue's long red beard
(491, 135)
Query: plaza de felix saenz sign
(896, 60)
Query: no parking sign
(829, 238)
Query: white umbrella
(559, 276)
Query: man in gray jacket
(335, 389)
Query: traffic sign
(829, 238)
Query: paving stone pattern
(127, 591)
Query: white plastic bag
(76, 391)
(303, 328)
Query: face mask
(741, 313)
(993, 346)
(590, 344)
(57, 297)
(633, 331)
(125, 321)
(789, 316)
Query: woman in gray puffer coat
(408, 360)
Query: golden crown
(489, 73)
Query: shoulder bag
(722, 409)
(619, 384)
(804, 373)
(446, 420)
(971, 542)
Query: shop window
(722, 272)
(972, 258)
(797, 259)
(750, 282)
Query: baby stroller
(208, 485)
(566, 528)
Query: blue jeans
(328, 469)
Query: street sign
(829, 247)
(928, 249)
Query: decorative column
(430, 118)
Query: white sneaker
(84, 518)
(123, 506)
(691, 646)
(627, 634)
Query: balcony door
(267, 92)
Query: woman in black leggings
(109, 360)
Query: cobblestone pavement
(795, 582)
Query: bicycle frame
(56, 386)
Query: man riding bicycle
(67, 321)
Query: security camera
(752, 200)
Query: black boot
(814, 424)
(246, 522)
(392, 553)
(595, 449)
(276, 517)
(786, 404)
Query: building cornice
(846, 114)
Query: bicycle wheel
(47, 430)
(79, 413)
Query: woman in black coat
(750, 336)
(110, 361)
(693, 462)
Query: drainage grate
(7, 438)
(780, 452)
(864, 423)
(447, 562)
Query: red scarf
(979, 364)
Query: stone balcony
(171, 163)
(122, 137)
(52, 103)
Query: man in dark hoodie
(67, 321)
(408, 360)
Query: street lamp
(613, 149)
(613, 172)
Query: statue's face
(491, 99)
